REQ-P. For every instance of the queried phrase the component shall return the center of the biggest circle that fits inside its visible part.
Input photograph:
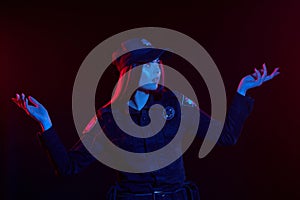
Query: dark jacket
(180, 111)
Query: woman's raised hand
(37, 111)
(256, 79)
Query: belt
(154, 195)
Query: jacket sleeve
(239, 110)
(65, 162)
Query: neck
(140, 99)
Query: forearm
(65, 162)
(237, 114)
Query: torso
(171, 176)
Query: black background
(42, 45)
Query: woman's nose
(156, 69)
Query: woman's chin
(153, 86)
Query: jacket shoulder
(184, 100)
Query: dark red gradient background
(42, 47)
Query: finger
(18, 100)
(26, 103)
(253, 75)
(259, 79)
(20, 104)
(27, 107)
(277, 73)
(15, 99)
(34, 101)
(274, 73)
(258, 74)
(21, 101)
(265, 72)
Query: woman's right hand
(37, 111)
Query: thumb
(34, 101)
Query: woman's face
(150, 76)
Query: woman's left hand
(256, 79)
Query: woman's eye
(156, 61)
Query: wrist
(242, 91)
(46, 125)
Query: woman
(168, 182)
